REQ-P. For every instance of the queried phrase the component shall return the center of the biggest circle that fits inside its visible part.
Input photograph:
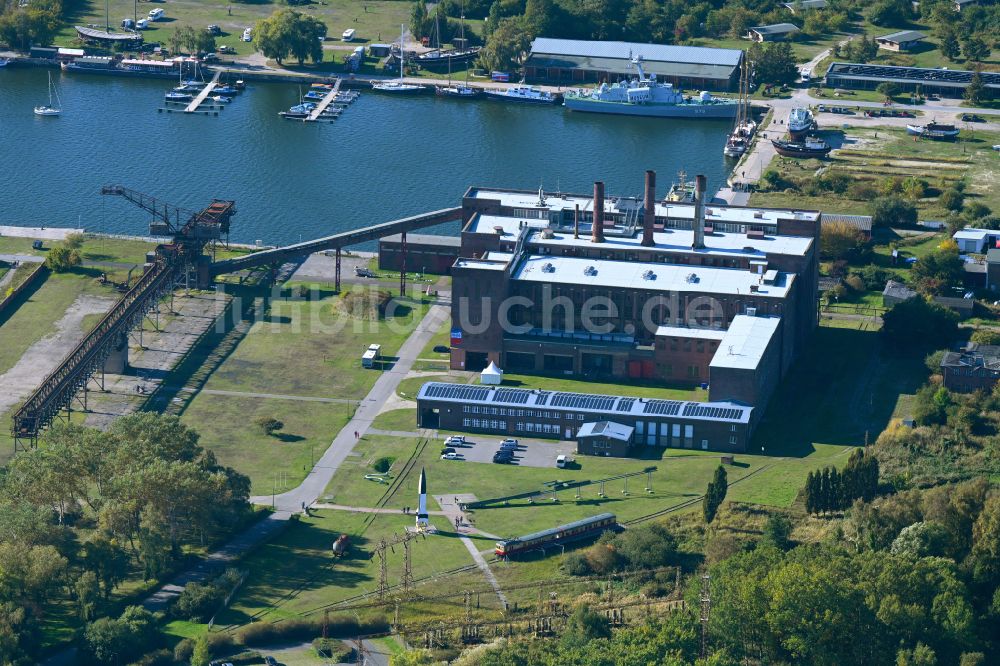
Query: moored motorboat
(522, 94)
(221, 99)
(459, 91)
(225, 90)
(810, 147)
(178, 97)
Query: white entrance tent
(491, 375)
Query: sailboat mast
(402, 53)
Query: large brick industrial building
(593, 287)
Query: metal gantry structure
(174, 264)
(173, 260)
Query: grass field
(877, 153)
(95, 248)
(296, 573)
(305, 348)
(276, 462)
(349, 485)
(396, 419)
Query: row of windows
(503, 411)
(528, 426)
(484, 424)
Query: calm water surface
(385, 158)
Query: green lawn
(349, 485)
(306, 348)
(275, 462)
(397, 419)
(381, 21)
(296, 573)
(95, 248)
(882, 152)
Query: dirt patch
(42, 357)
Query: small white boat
(399, 86)
(222, 99)
(50, 109)
(4, 62)
(177, 97)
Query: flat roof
(745, 342)
(955, 78)
(648, 275)
(610, 429)
(611, 405)
(775, 28)
(668, 240)
(688, 332)
(565, 201)
(699, 55)
(902, 36)
(973, 234)
(480, 264)
(71, 52)
(146, 63)
(425, 239)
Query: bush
(157, 658)
(577, 564)
(383, 464)
(873, 277)
(892, 211)
(332, 650)
(985, 336)
(855, 283)
(197, 602)
(246, 657)
(646, 546)
(268, 425)
(951, 199)
(841, 241)
(975, 211)
(73, 241)
(917, 323)
(861, 191)
(61, 259)
(834, 182)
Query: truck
(371, 356)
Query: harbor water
(385, 158)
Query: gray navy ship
(645, 96)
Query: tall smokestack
(576, 221)
(649, 210)
(698, 223)
(598, 227)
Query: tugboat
(811, 147)
(800, 123)
(744, 128)
(523, 94)
(682, 191)
(933, 130)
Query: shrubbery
(643, 547)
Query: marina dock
(203, 95)
(325, 102)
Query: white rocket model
(422, 521)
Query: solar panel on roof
(456, 392)
(625, 405)
(664, 407)
(515, 396)
(543, 398)
(583, 401)
(712, 412)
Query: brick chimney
(649, 209)
(598, 227)
(698, 224)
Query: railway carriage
(557, 535)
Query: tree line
(87, 510)
(830, 490)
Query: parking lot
(529, 453)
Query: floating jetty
(203, 95)
(314, 108)
(325, 102)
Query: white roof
(480, 264)
(973, 234)
(665, 277)
(699, 55)
(610, 429)
(492, 369)
(687, 332)
(71, 52)
(529, 200)
(745, 342)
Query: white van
(142, 24)
(349, 35)
(561, 461)
(155, 14)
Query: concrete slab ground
(46, 233)
(162, 350)
(42, 357)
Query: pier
(324, 103)
(203, 95)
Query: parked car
(509, 440)
(442, 349)
(502, 459)
(508, 446)
(248, 35)
(447, 450)
(214, 29)
(450, 456)
(225, 48)
(365, 273)
(455, 440)
(211, 57)
(561, 461)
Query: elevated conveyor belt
(281, 254)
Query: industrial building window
(732, 439)
(732, 428)
(466, 422)
(579, 417)
(519, 426)
(692, 371)
(701, 346)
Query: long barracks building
(694, 294)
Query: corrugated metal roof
(862, 222)
(775, 28)
(623, 66)
(902, 36)
(696, 55)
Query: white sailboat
(50, 109)
(399, 86)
